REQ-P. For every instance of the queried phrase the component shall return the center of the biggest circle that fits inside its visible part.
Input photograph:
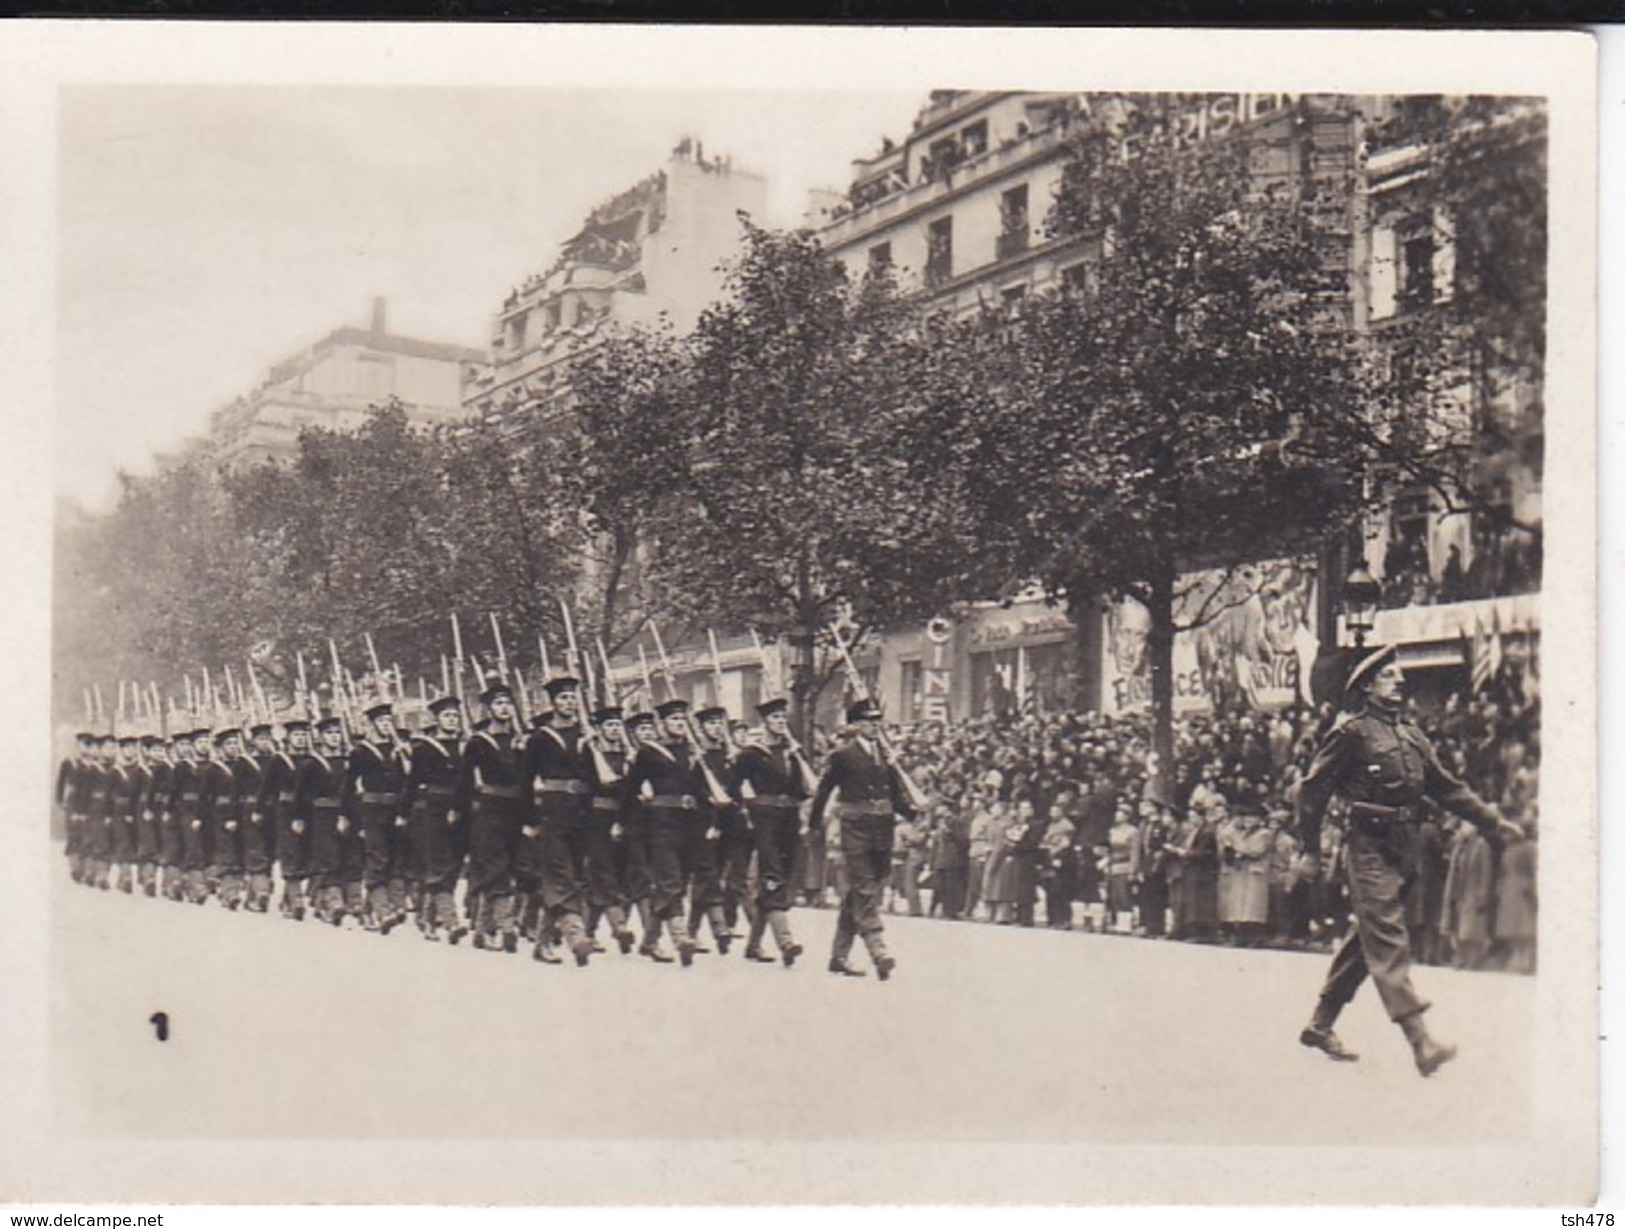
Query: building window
(1078, 281)
(879, 258)
(583, 312)
(939, 252)
(555, 316)
(1013, 223)
(1415, 271)
(1011, 300)
(912, 708)
(973, 139)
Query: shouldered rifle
(799, 762)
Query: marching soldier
(642, 729)
(149, 831)
(435, 826)
(1384, 767)
(129, 781)
(252, 771)
(186, 793)
(610, 832)
(777, 776)
(277, 797)
(222, 805)
(554, 784)
(681, 846)
(72, 792)
(99, 813)
(319, 802)
(488, 793)
(871, 797)
(375, 791)
(718, 818)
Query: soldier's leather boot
(574, 932)
(1429, 1054)
(884, 961)
(1318, 1035)
(686, 947)
(839, 964)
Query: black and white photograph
(653, 616)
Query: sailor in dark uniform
(100, 778)
(488, 794)
(774, 778)
(277, 796)
(319, 804)
(128, 784)
(186, 793)
(222, 810)
(871, 797)
(375, 791)
(258, 831)
(641, 728)
(70, 796)
(149, 820)
(440, 834)
(555, 782)
(725, 829)
(1385, 769)
(609, 835)
(678, 833)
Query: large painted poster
(1251, 644)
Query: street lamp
(1361, 594)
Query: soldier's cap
(863, 710)
(778, 704)
(610, 712)
(561, 683)
(259, 729)
(299, 724)
(1360, 677)
(495, 692)
(330, 721)
(672, 708)
(105, 739)
(85, 736)
(440, 705)
(129, 740)
(151, 740)
(714, 713)
(639, 720)
(197, 735)
(383, 708)
(229, 731)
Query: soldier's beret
(299, 724)
(672, 708)
(330, 721)
(495, 692)
(85, 736)
(229, 731)
(259, 729)
(151, 740)
(1367, 667)
(442, 703)
(381, 709)
(610, 712)
(778, 704)
(639, 720)
(129, 740)
(714, 713)
(562, 683)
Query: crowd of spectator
(1050, 820)
(1505, 562)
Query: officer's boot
(618, 928)
(789, 949)
(720, 929)
(875, 941)
(1318, 1035)
(574, 933)
(753, 944)
(1429, 1054)
(504, 924)
(680, 937)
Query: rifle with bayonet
(916, 797)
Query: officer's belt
(601, 803)
(380, 800)
(774, 800)
(496, 791)
(1377, 814)
(677, 802)
(560, 785)
(856, 809)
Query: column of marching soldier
(580, 820)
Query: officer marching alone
(1386, 770)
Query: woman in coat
(1251, 842)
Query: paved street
(986, 1033)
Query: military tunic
(677, 831)
(775, 819)
(1384, 767)
(554, 788)
(488, 793)
(439, 832)
(376, 790)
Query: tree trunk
(803, 684)
(1160, 654)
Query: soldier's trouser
(123, 850)
(73, 846)
(327, 856)
(637, 874)
(1379, 944)
(146, 847)
(778, 840)
(492, 843)
(194, 856)
(294, 856)
(733, 868)
(669, 866)
(381, 868)
(606, 860)
(99, 847)
(259, 854)
(866, 848)
(439, 855)
(562, 849)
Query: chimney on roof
(378, 315)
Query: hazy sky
(203, 233)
